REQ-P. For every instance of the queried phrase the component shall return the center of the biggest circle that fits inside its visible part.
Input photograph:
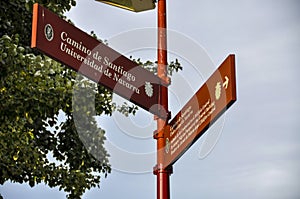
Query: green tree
(34, 89)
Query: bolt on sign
(216, 95)
(81, 52)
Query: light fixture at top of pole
(132, 5)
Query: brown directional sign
(216, 95)
(67, 44)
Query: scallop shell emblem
(148, 89)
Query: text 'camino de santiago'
(93, 59)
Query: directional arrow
(225, 84)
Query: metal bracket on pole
(161, 134)
(165, 81)
(160, 169)
(166, 116)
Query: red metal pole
(163, 174)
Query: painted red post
(163, 174)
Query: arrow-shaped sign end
(225, 84)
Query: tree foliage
(34, 89)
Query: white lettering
(119, 69)
(71, 52)
(125, 83)
(78, 45)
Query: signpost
(216, 95)
(162, 173)
(85, 54)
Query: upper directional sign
(216, 95)
(132, 5)
(85, 54)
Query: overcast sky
(257, 153)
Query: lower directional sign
(81, 52)
(216, 95)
